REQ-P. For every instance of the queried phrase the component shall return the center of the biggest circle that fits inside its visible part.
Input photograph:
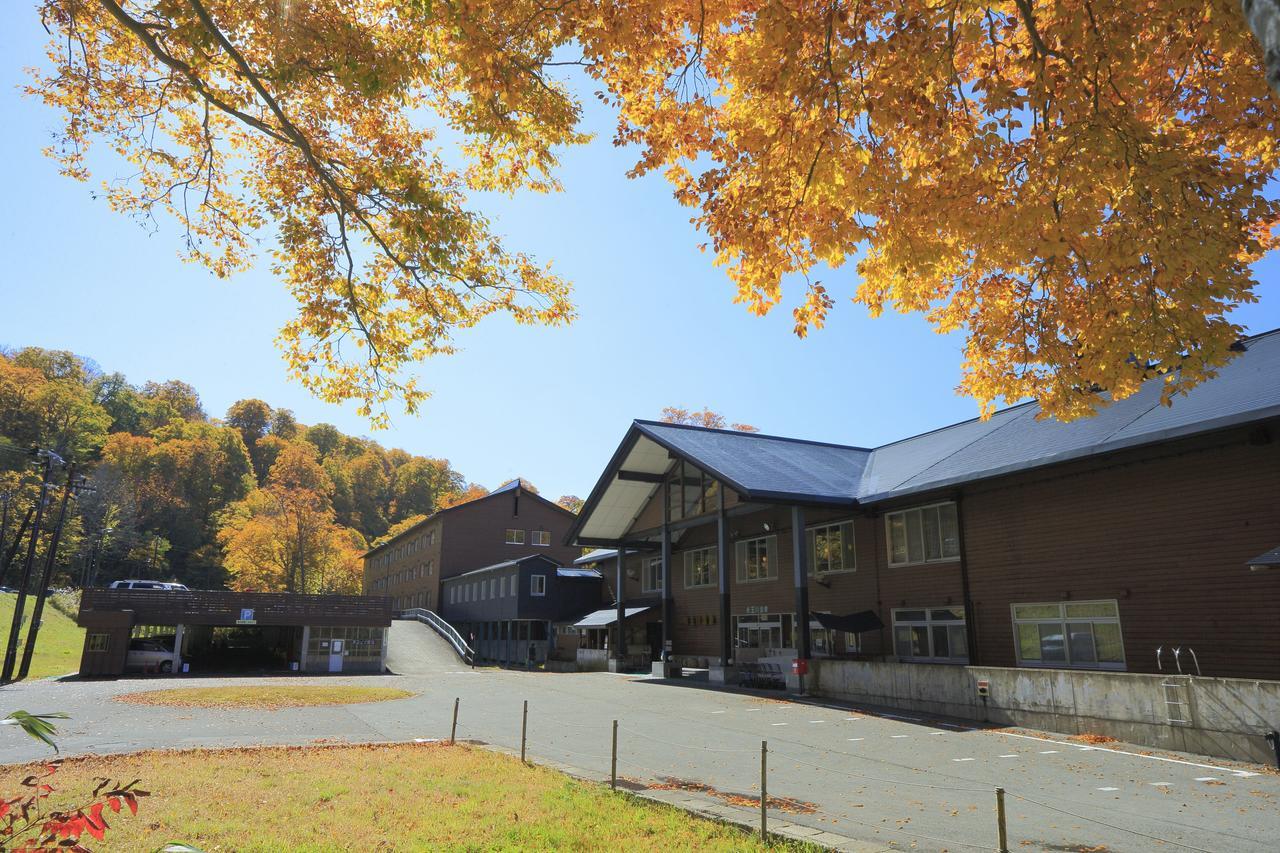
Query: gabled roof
(505, 488)
(506, 564)
(1266, 560)
(774, 469)
(766, 467)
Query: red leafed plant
(24, 825)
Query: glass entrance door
(763, 633)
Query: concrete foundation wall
(1225, 717)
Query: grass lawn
(59, 644)
(411, 796)
(263, 698)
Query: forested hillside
(251, 500)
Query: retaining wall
(1225, 717)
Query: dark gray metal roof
(774, 468)
(1245, 390)
(767, 467)
(506, 564)
(1266, 560)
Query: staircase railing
(432, 619)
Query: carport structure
(217, 630)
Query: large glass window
(537, 584)
(831, 548)
(515, 537)
(700, 568)
(931, 635)
(757, 559)
(1084, 634)
(651, 581)
(923, 535)
(690, 492)
(542, 537)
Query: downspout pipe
(970, 617)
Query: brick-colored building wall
(1165, 531)
(459, 539)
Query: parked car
(133, 584)
(7, 589)
(150, 653)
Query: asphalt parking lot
(887, 779)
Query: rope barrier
(1113, 826)
(876, 779)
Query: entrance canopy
(604, 618)
(760, 468)
(853, 623)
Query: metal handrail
(444, 629)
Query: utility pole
(47, 576)
(11, 648)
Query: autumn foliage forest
(252, 500)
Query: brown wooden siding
(1164, 530)
(101, 607)
(466, 537)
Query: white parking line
(816, 722)
(857, 738)
(777, 724)
(1011, 755)
(1108, 789)
(1244, 774)
(964, 759)
(1160, 784)
(851, 719)
(1048, 752)
(1206, 778)
(717, 712)
(937, 733)
(752, 710)
(899, 735)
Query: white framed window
(493, 587)
(931, 635)
(831, 548)
(700, 568)
(1075, 634)
(515, 537)
(537, 584)
(542, 538)
(651, 577)
(924, 534)
(757, 559)
(515, 585)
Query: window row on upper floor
(424, 569)
(407, 548)
(540, 538)
(487, 589)
(918, 535)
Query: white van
(163, 585)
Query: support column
(722, 570)
(668, 599)
(799, 559)
(620, 646)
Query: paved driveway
(901, 779)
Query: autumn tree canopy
(1077, 186)
(701, 417)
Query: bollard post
(524, 728)
(764, 790)
(613, 769)
(1000, 829)
(453, 730)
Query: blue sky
(546, 404)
